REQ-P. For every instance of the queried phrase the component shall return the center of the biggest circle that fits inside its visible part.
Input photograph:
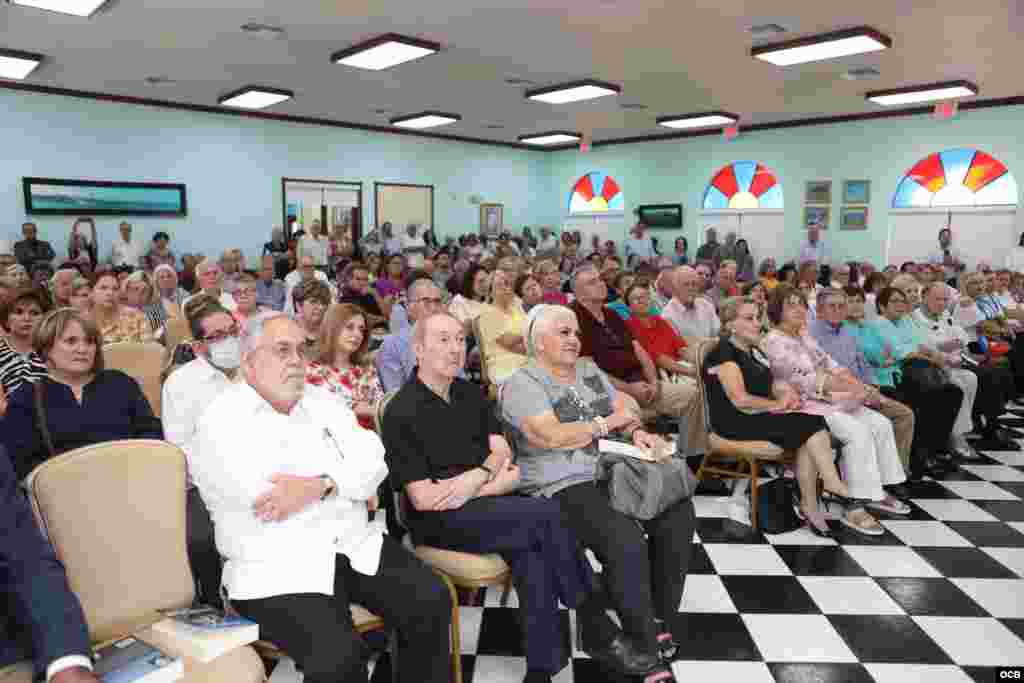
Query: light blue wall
(880, 151)
(233, 167)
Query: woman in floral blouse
(342, 369)
(117, 323)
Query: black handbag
(775, 513)
(922, 375)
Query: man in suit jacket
(42, 618)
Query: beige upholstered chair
(115, 514)
(176, 330)
(734, 459)
(143, 362)
(460, 570)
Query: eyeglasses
(429, 302)
(219, 336)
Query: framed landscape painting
(854, 218)
(816, 215)
(818, 192)
(856, 191)
(103, 198)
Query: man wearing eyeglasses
(396, 359)
(187, 393)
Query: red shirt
(657, 336)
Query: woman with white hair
(559, 406)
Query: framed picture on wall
(818, 192)
(56, 196)
(854, 218)
(856, 191)
(816, 215)
(492, 219)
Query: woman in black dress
(747, 405)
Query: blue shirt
(270, 294)
(396, 361)
(841, 344)
(902, 337)
(622, 310)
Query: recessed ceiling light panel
(384, 52)
(79, 8)
(425, 119)
(922, 93)
(17, 65)
(255, 97)
(554, 137)
(701, 120)
(573, 92)
(852, 41)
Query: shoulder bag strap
(40, 416)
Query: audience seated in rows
(287, 496)
(270, 292)
(502, 324)
(117, 322)
(356, 290)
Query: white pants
(870, 459)
(968, 382)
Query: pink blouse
(352, 384)
(796, 360)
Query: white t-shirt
(125, 253)
(413, 247)
(316, 248)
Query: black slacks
(317, 632)
(202, 550)
(995, 388)
(643, 577)
(935, 413)
(547, 562)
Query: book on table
(130, 660)
(205, 633)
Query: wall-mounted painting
(854, 218)
(816, 215)
(103, 198)
(856, 191)
(492, 219)
(818, 192)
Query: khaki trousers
(682, 401)
(902, 418)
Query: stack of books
(205, 633)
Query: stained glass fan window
(596, 193)
(743, 185)
(956, 177)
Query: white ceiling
(671, 55)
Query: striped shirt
(16, 369)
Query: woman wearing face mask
(83, 403)
(115, 322)
(502, 324)
(342, 368)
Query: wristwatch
(491, 474)
(328, 487)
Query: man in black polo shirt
(605, 338)
(446, 452)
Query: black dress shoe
(898, 491)
(622, 656)
(534, 676)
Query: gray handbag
(643, 490)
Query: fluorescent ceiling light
(573, 92)
(425, 119)
(16, 65)
(852, 41)
(704, 120)
(554, 137)
(922, 93)
(79, 8)
(255, 97)
(384, 52)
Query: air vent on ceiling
(265, 31)
(633, 105)
(863, 73)
(494, 126)
(767, 30)
(158, 81)
(383, 110)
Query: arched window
(596, 193)
(743, 185)
(956, 177)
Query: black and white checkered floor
(938, 598)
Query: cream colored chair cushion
(142, 362)
(115, 514)
(20, 672)
(463, 566)
(763, 450)
(241, 665)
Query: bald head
(686, 284)
(439, 343)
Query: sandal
(667, 646)
(816, 522)
(875, 529)
(661, 675)
(890, 505)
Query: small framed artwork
(856, 191)
(816, 215)
(854, 218)
(492, 219)
(818, 192)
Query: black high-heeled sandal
(663, 674)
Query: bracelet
(602, 424)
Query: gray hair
(203, 265)
(255, 327)
(582, 268)
(416, 285)
(827, 293)
(538, 321)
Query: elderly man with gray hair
(396, 359)
(211, 281)
(60, 287)
(606, 338)
(287, 495)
